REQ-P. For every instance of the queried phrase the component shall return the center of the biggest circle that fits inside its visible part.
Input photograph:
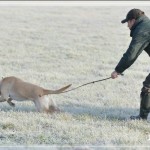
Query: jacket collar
(138, 21)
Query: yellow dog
(13, 88)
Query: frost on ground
(56, 46)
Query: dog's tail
(46, 92)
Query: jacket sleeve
(138, 43)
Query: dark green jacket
(140, 33)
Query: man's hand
(114, 74)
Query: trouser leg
(146, 83)
(145, 101)
(145, 98)
(145, 105)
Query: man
(139, 24)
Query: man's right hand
(114, 75)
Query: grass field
(56, 46)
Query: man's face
(131, 23)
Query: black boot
(137, 118)
(144, 106)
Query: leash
(89, 83)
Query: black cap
(133, 14)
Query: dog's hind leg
(53, 107)
(43, 104)
(38, 106)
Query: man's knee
(146, 83)
(145, 90)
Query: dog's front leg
(5, 97)
(9, 101)
(2, 99)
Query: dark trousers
(146, 83)
(145, 98)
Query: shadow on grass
(19, 107)
(109, 113)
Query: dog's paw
(11, 104)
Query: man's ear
(133, 21)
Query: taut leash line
(87, 84)
(90, 83)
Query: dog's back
(19, 88)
